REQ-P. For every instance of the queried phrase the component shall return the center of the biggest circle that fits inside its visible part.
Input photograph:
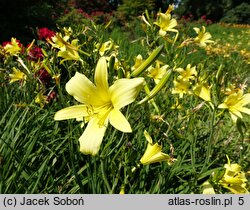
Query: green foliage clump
(130, 8)
(239, 14)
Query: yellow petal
(91, 139)
(81, 88)
(117, 119)
(203, 92)
(101, 74)
(153, 154)
(245, 110)
(148, 137)
(207, 188)
(125, 91)
(245, 99)
(223, 106)
(78, 111)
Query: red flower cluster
(35, 53)
(45, 33)
(44, 76)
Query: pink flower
(45, 33)
(52, 95)
(203, 17)
(208, 21)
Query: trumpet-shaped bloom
(234, 179)
(187, 74)
(181, 87)
(203, 91)
(203, 37)
(166, 23)
(67, 50)
(138, 61)
(106, 46)
(157, 72)
(101, 105)
(235, 103)
(153, 153)
(17, 75)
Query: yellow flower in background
(101, 105)
(236, 103)
(187, 74)
(67, 50)
(17, 75)
(202, 90)
(170, 8)
(106, 46)
(138, 61)
(71, 52)
(234, 179)
(122, 190)
(158, 71)
(13, 48)
(153, 153)
(181, 87)
(166, 23)
(207, 188)
(203, 37)
(41, 99)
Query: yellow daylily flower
(17, 75)
(170, 8)
(138, 61)
(13, 48)
(158, 71)
(187, 74)
(106, 46)
(41, 99)
(166, 23)
(181, 87)
(203, 37)
(202, 90)
(101, 105)
(67, 50)
(235, 103)
(234, 179)
(153, 153)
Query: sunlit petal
(78, 111)
(91, 139)
(101, 74)
(118, 120)
(81, 88)
(125, 91)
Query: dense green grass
(40, 155)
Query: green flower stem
(105, 177)
(153, 56)
(157, 88)
(210, 141)
(147, 90)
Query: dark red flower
(44, 76)
(45, 33)
(35, 53)
(203, 17)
